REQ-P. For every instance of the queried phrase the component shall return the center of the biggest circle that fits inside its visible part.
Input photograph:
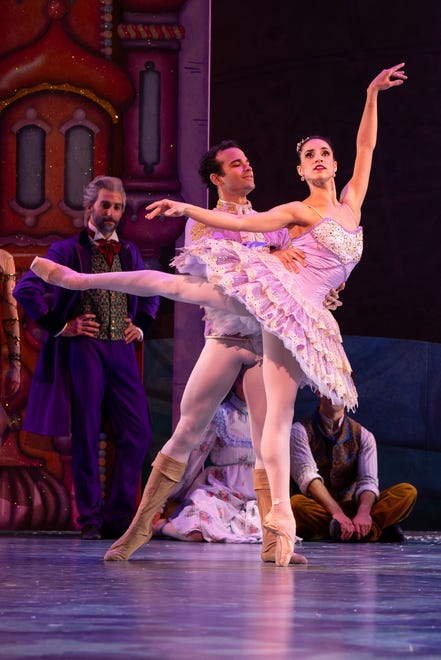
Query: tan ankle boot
(166, 473)
(269, 540)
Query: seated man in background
(334, 463)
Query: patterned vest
(110, 307)
(336, 456)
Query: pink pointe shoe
(285, 541)
(54, 273)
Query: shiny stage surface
(174, 600)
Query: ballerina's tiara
(301, 143)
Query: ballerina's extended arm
(276, 218)
(293, 213)
(355, 190)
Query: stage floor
(176, 600)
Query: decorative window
(149, 122)
(30, 195)
(79, 147)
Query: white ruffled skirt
(274, 299)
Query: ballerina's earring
(302, 178)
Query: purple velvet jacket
(48, 410)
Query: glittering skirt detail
(273, 297)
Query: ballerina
(301, 339)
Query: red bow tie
(107, 248)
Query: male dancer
(226, 168)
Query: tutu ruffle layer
(223, 323)
(273, 297)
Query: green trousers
(393, 506)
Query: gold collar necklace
(232, 207)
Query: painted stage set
(124, 87)
(176, 600)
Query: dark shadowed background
(285, 70)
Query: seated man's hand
(347, 528)
(331, 300)
(362, 524)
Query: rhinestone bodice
(331, 253)
(346, 245)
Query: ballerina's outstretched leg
(54, 273)
(183, 288)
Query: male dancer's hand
(331, 300)
(290, 257)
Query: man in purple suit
(87, 363)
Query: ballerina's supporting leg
(264, 504)
(256, 400)
(282, 376)
(182, 288)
